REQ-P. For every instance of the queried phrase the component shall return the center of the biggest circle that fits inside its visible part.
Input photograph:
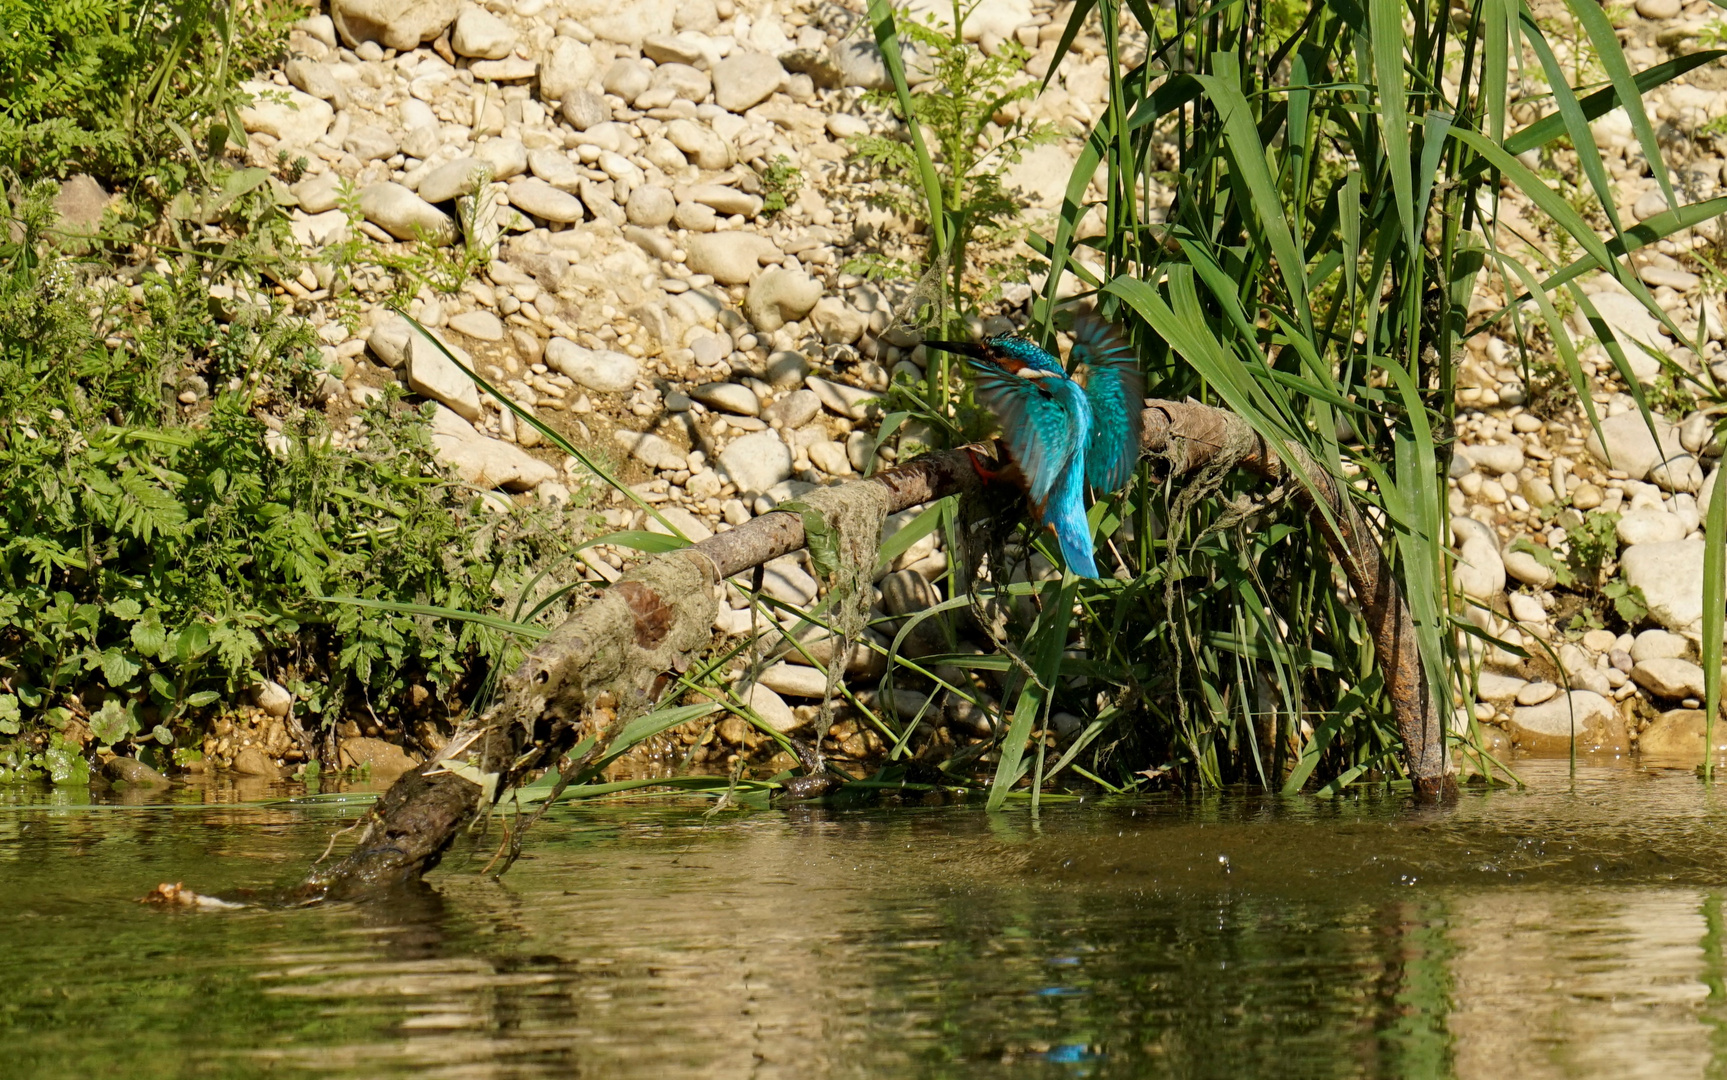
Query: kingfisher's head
(1009, 352)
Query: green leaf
(10, 714)
(112, 723)
(910, 533)
(202, 698)
(1714, 585)
(1048, 639)
(118, 668)
(651, 542)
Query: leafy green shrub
(150, 572)
(1297, 212)
(962, 171)
(118, 87)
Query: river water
(1571, 929)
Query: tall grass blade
(1714, 585)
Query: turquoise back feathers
(1061, 433)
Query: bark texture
(654, 620)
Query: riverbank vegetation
(1294, 212)
(172, 503)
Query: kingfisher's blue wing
(1116, 389)
(1038, 423)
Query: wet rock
(294, 117)
(732, 258)
(772, 709)
(534, 196)
(385, 759)
(604, 370)
(394, 24)
(273, 698)
(1548, 727)
(1669, 677)
(132, 771)
(744, 80)
(404, 215)
(729, 397)
(780, 296)
(1678, 736)
(1671, 577)
(795, 680)
(253, 761)
(756, 462)
(1536, 693)
(481, 35)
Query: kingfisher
(1062, 433)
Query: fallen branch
(617, 651)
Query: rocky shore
(663, 204)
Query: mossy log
(657, 618)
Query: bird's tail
(1066, 518)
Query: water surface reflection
(1570, 930)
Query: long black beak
(963, 348)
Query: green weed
(1298, 205)
(150, 572)
(781, 182)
